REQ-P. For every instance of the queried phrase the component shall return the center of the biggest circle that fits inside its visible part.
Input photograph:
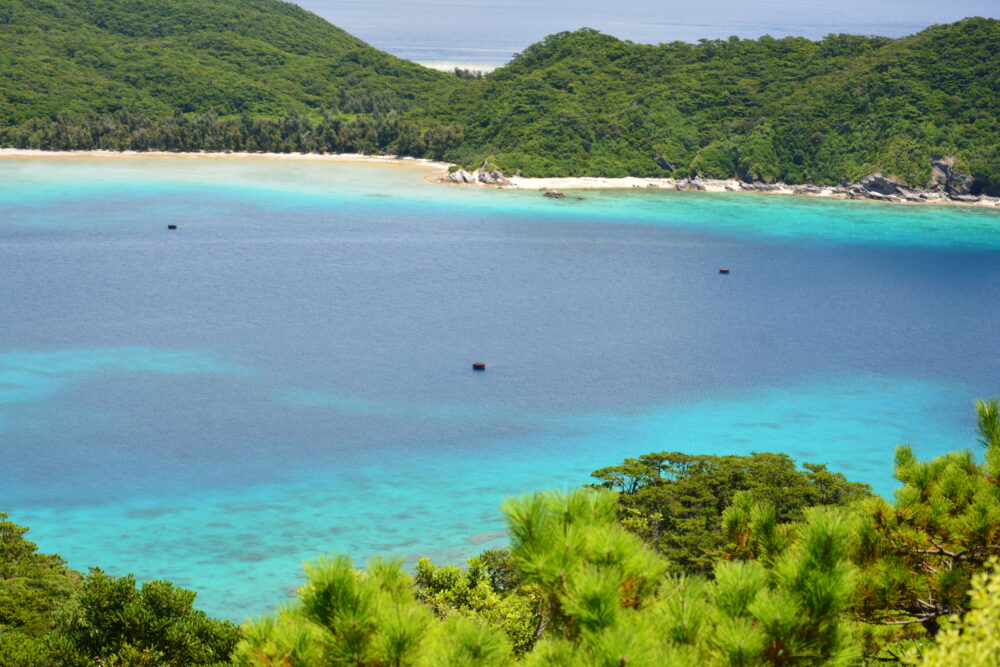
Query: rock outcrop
(760, 186)
(710, 184)
(877, 183)
(880, 188)
(485, 175)
(947, 184)
(939, 176)
(954, 182)
(491, 177)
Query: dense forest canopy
(265, 75)
(153, 58)
(790, 109)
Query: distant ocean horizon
(484, 34)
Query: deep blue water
(487, 32)
(289, 372)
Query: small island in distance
(909, 119)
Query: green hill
(790, 110)
(268, 75)
(228, 56)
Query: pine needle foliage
(918, 554)
(345, 616)
(611, 602)
(603, 598)
(972, 640)
(988, 421)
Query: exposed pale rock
(760, 186)
(939, 176)
(460, 176)
(878, 184)
(491, 177)
(947, 184)
(691, 184)
(481, 176)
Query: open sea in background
(288, 373)
(486, 33)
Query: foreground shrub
(603, 598)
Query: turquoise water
(116, 191)
(288, 373)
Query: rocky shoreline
(946, 187)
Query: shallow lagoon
(289, 372)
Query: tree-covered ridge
(790, 110)
(152, 57)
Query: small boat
(171, 226)
(479, 366)
(724, 271)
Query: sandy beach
(233, 155)
(442, 173)
(634, 182)
(487, 179)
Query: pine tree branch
(909, 622)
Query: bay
(288, 373)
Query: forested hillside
(790, 110)
(265, 75)
(203, 74)
(252, 56)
